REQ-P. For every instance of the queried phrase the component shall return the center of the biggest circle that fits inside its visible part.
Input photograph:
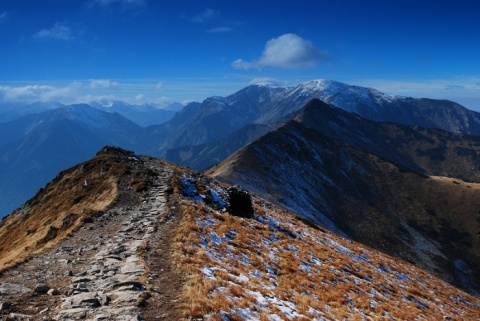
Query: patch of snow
(320, 88)
(315, 260)
(382, 268)
(230, 235)
(292, 248)
(274, 317)
(266, 82)
(259, 219)
(361, 258)
(403, 277)
(242, 278)
(215, 238)
(273, 238)
(270, 270)
(208, 272)
(306, 267)
(257, 274)
(265, 242)
(203, 240)
(287, 307)
(214, 255)
(217, 199)
(206, 222)
(189, 190)
(340, 248)
(245, 259)
(248, 315)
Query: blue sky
(153, 51)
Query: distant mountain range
(36, 147)
(212, 122)
(143, 115)
(42, 139)
(200, 135)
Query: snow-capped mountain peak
(321, 88)
(327, 85)
(266, 82)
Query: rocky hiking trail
(116, 267)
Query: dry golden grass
(343, 280)
(60, 208)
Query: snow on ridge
(324, 84)
(274, 267)
(266, 82)
(86, 114)
(217, 100)
(321, 88)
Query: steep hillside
(427, 150)
(276, 266)
(201, 157)
(212, 120)
(34, 148)
(372, 200)
(68, 201)
(174, 244)
(430, 113)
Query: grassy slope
(277, 266)
(62, 205)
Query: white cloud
(287, 51)
(84, 91)
(159, 86)
(35, 93)
(102, 83)
(220, 30)
(206, 15)
(59, 31)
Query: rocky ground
(116, 267)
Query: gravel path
(102, 272)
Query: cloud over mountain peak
(288, 51)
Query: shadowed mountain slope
(427, 150)
(201, 157)
(429, 221)
(430, 113)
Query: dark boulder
(239, 202)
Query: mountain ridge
(167, 244)
(270, 105)
(351, 190)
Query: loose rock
(41, 288)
